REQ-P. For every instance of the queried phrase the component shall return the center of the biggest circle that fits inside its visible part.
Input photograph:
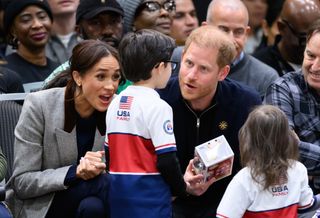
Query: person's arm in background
(280, 95)
(3, 165)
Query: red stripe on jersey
(129, 153)
(221, 216)
(166, 145)
(287, 212)
(306, 206)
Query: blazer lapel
(67, 146)
(98, 144)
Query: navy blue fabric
(4, 211)
(229, 110)
(82, 199)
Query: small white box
(213, 158)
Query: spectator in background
(184, 21)
(98, 19)
(206, 105)
(231, 16)
(95, 19)
(58, 168)
(10, 81)
(287, 52)
(63, 36)
(146, 14)
(28, 25)
(297, 94)
(270, 24)
(257, 12)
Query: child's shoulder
(297, 166)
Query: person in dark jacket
(206, 105)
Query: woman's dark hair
(84, 56)
(141, 51)
(313, 29)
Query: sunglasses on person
(153, 6)
(302, 37)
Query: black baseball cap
(88, 9)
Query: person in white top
(268, 185)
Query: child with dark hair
(272, 183)
(144, 170)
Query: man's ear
(248, 31)
(223, 72)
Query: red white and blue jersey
(245, 198)
(139, 127)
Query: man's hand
(195, 184)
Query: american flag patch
(125, 102)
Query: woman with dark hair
(28, 25)
(58, 168)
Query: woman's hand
(91, 165)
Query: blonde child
(272, 183)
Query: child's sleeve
(160, 126)
(169, 167)
(235, 200)
(308, 202)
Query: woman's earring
(15, 42)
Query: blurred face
(97, 85)
(270, 32)
(311, 62)
(156, 15)
(60, 7)
(234, 23)
(293, 39)
(199, 75)
(32, 27)
(184, 21)
(257, 11)
(106, 26)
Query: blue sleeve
(71, 177)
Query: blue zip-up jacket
(228, 111)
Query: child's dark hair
(267, 145)
(141, 51)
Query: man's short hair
(313, 29)
(211, 37)
(141, 51)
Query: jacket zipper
(198, 118)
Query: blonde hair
(211, 37)
(267, 145)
